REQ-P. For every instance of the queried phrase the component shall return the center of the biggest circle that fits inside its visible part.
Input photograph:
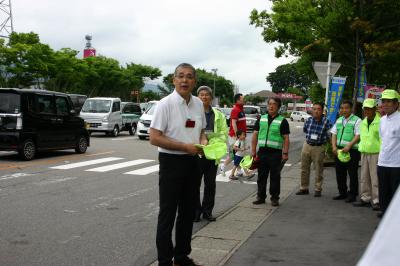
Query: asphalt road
(97, 208)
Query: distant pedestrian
(216, 131)
(316, 129)
(237, 121)
(178, 124)
(271, 133)
(369, 146)
(389, 156)
(345, 137)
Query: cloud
(162, 33)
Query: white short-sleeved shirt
(389, 130)
(170, 117)
(356, 126)
(242, 145)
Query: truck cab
(103, 114)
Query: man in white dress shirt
(178, 124)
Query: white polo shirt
(170, 117)
(389, 130)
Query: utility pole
(6, 19)
(215, 75)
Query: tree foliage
(224, 88)
(309, 29)
(26, 62)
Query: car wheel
(115, 132)
(28, 150)
(142, 137)
(132, 129)
(81, 144)
(302, 119)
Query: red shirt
(237, 113)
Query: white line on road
(102, 153)
(119, 165)
(144, 171)
(54, 181)
(86, 163)
(124, 138)
(13, 176)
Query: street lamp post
(215, 75)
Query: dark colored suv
(35, 120)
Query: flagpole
(328, 73)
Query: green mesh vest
(345, 134)
(270, 135)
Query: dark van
(35, 120)
(77, 100)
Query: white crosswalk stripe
(144, 171)
(86, 163)
(119, 165)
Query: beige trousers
(369, 178)
(312, 154)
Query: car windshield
(250, 110)
(9, 103)
(151, 110)
(96, 106)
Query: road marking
(86, 163)
(288, 164)
(221, 178)
(14, 176)
(144, 171)
(119, 165)
(102, 153)
(54, 181)
(124, 138)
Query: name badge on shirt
(190, 123)
(314, 136)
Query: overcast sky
(161, 33)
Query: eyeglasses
(188, 77)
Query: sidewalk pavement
(303, 230)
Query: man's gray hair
(204, 88)
(185, 65)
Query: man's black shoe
(274, 202)
(350, 199)
(187, 262)
(317, 194)
(209, 218)
(339, 197)
(303, 192)
(258, 202)
(361, 203)
(376, 207)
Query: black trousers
(350, 167)
(389, 180)
(177, 188)
(208, 169)
(269, 163)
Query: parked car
(78, 100)
(131, 113)
(145, 121)
(227, 112)
(299, 116)
(36, 120)
(252, 114)
(103, 115)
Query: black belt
(315, 144)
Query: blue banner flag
(335, 94)
(362, 79)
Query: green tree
(309, 29)
(286, 76)
(252, 99)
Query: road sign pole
(328, 78)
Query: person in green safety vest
(369, 146)
(345, 136)
(216, 131)
(271, 134)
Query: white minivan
(145, 121)
(103, 115)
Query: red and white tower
(89, 50)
